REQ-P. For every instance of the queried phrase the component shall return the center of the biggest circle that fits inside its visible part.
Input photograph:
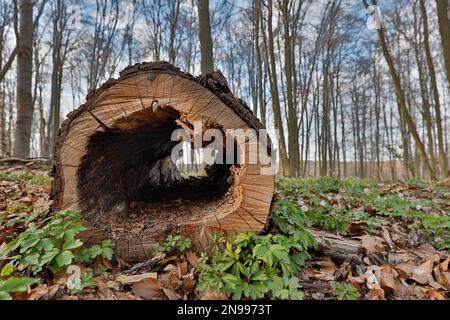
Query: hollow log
(114, 162)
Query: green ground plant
(37, 179)
(260, 266)
(345, 291)
(14, 284)
(332, 204)
(252, 266)
(54, 245)
(172, 243)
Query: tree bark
(274, 92)
(294, 153)
(24, 120)
(442, 7)
(204, 30)
(262, 103)
(443, 167)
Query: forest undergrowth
(401, 230)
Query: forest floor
(402, 233)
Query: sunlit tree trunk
(206, 45)
(442, 7)
(24, 120)
(292, 120)
(437, 105)
(273, 80)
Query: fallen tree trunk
(335, 246)
(114, 162)
(21, 161)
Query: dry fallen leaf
(211, 295)
(193, 260)
(388, 278)
(40, 291)
(434, 295)
(182, 268)
(171, 279)
(375, 294)
(326, 266)
(118, 295)
(169, 267)
(373, 244)
(406, 270)
(188, 283)
(326, 273)
(424, 251)
(422, 274)
(171, 294)
(317, 275)
(149, 289)
(440, 277)
(387, 238)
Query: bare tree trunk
(294, 153)
(2, 124)
(24, 120)
(61, 38)
(262, 103)
(426, 112)
(174, 13)
(377, 88)
(204, 29)
(437, 106)
(442, 7)
(270, 53)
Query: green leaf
(256, 290)
(57, 231)
(345, 291)
(107, 253)
(48, 256)
(7, 269)
(64, 258)
(86, 280)
(31, 259)
(5, 296)
(28, 243)
(279, 251)
(16, 284)
(259, 276)
(106, 243)
(275, 284)
(47, 244)
(95, 250)
(72, 243)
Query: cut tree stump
(112, 162)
